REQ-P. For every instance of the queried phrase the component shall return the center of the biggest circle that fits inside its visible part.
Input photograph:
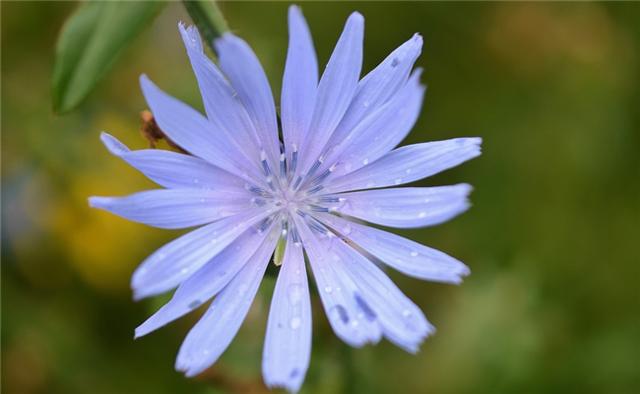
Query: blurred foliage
(552, 303)
(89, 44)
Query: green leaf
(208, 19)
(89, 44)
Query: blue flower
(311, 190)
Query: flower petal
(383, 130)
(210, 337)
(174, 262)
(169, 169)
(190, 130)
(376, 89)
(299, 83)
(208, 280)
(405, 207)
(287, 346)
(335, 90)
(407, 164)
(222, 104)
(347, 318)
(402, 254)
(247, 77)
(175, 208)
(402, 322)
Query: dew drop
(184, 271)
(295, 293)
(328, 289)
(365, 161)
(398, 181)
(406, 313)
(414, 254)
(422, 214)
(395, 62)
(194, 304)
(295, 323)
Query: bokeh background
(552, 304)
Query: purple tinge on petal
(335, 90)
(402, 254)
(407, 164)
(287, 346)
(210, 337)
(174, 170)
(299, 83)
(247, 77)
(209, 280)
(405, 207)
(348, 319)
(175, 208)
(224, 109)
(174, 262)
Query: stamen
(265, 224)
(294, 236)
(294, 159)
(315, 189)
(315, 166)
(317, 208)
(265, 165)
(326, 199)
(283, 165)
(257, 190)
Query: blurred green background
(552, 304)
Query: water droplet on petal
(422, 214)
(328, 289)
(295, 323)
(414, 254)
(295, 293)
(365, 161)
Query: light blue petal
(175, 208)
(210, 337)
(179, 259)
(192, 131)
(221, 102)
(402, 322)
(405, 207)
(376, 89)
(246, 75)
(404, 255)
(335, 90)
(173, 170)
(383, 130)
(287, 345)
(347, 318)
(408, 163)
(299, 83)
(208, 280)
